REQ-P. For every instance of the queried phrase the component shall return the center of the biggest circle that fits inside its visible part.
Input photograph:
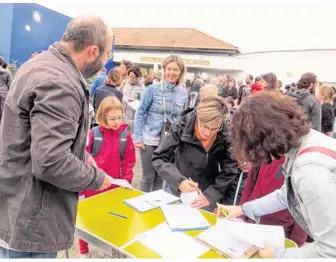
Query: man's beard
(92, 68)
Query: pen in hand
(198, 190)
(221, 210)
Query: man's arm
(54, 125)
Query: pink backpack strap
(319, 149)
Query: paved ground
(95, 253)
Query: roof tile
(169, 37)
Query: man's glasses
(109, 54)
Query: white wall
(215, 61)
(287, 65)
(295, 63)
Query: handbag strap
(319, 149)
(164, 104)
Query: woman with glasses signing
(202, 159)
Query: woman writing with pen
(267, 126)
(202, 159)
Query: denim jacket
(308, 192)
(149, 117)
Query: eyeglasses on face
(213, 130)
(114, 118)
(109, 53)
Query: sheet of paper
(171, 245)
(273, 235)
(182, 217)
(159, 198)
(223, 241)
(255, 234)
(121, 182)
(134, 104)
(151, 200)
(139, 204)
(189, 197)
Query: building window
(27, 28)
(37, 16)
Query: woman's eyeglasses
(114, 118)
(213, 130)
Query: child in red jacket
(263, 182)
(110, 120)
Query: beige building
(203, 54)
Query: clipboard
(223, 242)
(247, 254)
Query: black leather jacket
(214, 171)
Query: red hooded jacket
(108, 158)
(259, 185)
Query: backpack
(98, 139)
(319, 149)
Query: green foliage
(12, 68)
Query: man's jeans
(6, 253)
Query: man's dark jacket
(42, 151)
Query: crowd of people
(265, 154)
(5, 82)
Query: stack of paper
(256, 234)
(171, 245)
(239, 239)
(151, 200)
(183, 218)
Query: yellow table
(110, 233)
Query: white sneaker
(87, 255)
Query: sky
(251, 25)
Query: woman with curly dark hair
(269, 125)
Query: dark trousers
(150, 180)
